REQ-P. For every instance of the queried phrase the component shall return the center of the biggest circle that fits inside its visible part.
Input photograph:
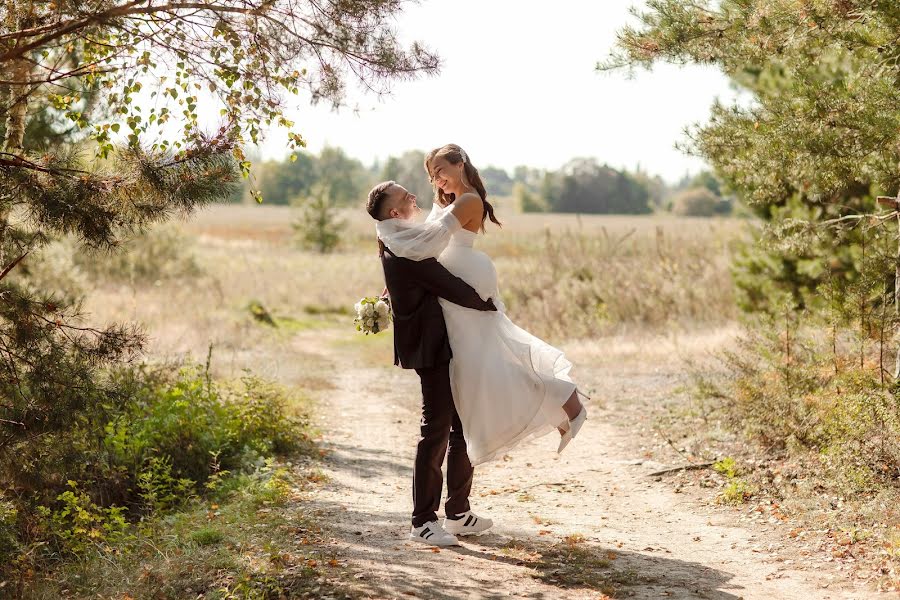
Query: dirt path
(577, 526)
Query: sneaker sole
(469, 533)
(421, 540)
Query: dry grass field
(564, 277)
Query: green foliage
(203, 427)
(279, 182)
(158, 489)
(789, 389)
(497, 181)
(318, 226)
(727, 467)
(299, 177)
(78, 524)
(810, 151)
(736, 492)
(696, 202)
(170, 439)
(823, 76)
(9, 535)
(160, 253)
(261, 313)
(583, 186)
(819, 139)
(527, 200)
(408, 170)
(708, 180)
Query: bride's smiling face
(445, 175)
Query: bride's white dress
(508, 385)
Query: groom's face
(401, 203)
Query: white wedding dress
(508, 385)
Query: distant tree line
(581, 186)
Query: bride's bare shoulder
(469, 196)
(469, 199)
(468, 206)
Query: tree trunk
(897, 293)
(17, 106)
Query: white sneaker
(433, 534)
(574, 426)
(468, 524)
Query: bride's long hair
(455, 155)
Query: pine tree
(817, 142)
(75, 72)
(825, 117)
(318, 226)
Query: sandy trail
(640, 537)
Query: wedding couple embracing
(487, 385)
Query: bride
(508, 385)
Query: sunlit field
(564, 277)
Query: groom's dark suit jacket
(420, 334)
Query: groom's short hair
(377, 197)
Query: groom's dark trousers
(421, 343)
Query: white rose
(383, 324)
(370, 310)
(357, 307)
(382, 309)
(370, 323)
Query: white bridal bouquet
(373, 315)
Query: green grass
(290, 324)
(373, 350)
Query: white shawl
(418, 241)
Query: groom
(421, 343)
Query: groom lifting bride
(487, 385)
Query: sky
(518, 86)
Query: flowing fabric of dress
(508, 385)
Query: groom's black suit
(421, 343)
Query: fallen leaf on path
(612, 555)
(544, 532)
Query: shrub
(796, 390)
(79, 524)
(9, 543)
(160, 441)
(697, 202)
(318, 227)
(160, 253)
